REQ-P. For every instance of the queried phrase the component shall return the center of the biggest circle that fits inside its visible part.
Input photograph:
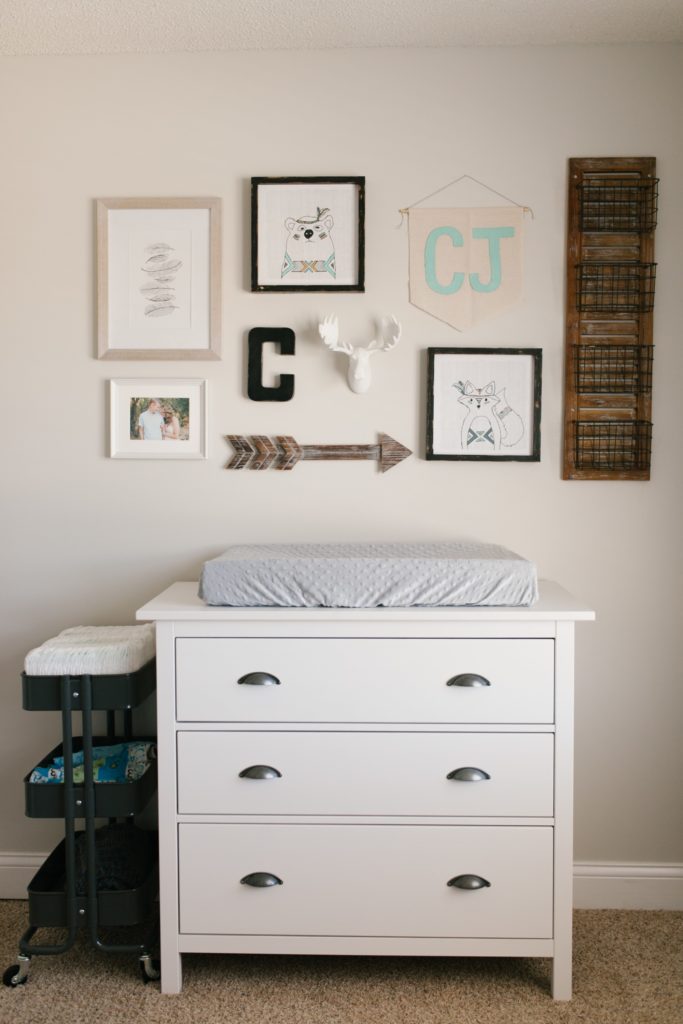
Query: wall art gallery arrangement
(159, 297)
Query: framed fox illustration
(484, 403)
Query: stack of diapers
(451, 573)
(93, 650)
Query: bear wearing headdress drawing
(309, 248)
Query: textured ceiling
(160, 26)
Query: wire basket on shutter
(612, 444)
(618, 204)
(613, 369)
(615, 287)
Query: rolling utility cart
(86, 880)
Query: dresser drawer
(387, 880)
(365, 773)
(364, 680)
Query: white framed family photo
(157, 419)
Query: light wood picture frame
(158, 278)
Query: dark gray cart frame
(86, 693)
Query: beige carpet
(628, 970)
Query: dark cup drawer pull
(262, 880)
(260, 771)
(468, 679)
(469, 882)
(258, 679)
(468, 775)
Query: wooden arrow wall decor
(259, 452)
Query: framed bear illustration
(308, 234)
(484, 403)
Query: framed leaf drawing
(308, 234)
(484, 403)
(158, 278)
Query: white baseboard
(628, 886)
(16, 871)
(596, 886)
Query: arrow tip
(391, 453)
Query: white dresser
(365, 781)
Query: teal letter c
(430, 261)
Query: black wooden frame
(537, 356)
(359, 183)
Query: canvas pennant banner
(465, 264)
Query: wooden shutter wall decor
(612, 215)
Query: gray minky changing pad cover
(368, 576)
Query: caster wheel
(11, 977)
(150, 970)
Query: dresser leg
(562, 977)
(171, 973)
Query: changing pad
(368, 575)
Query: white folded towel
(93, 650)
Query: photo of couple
(155, 419)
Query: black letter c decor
(258, 336)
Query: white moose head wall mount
(359, 375)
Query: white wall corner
(628, 886)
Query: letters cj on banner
(465, 264)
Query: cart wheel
(150, 969)
(13, 976)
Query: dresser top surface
(181, 603)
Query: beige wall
(87, 540)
